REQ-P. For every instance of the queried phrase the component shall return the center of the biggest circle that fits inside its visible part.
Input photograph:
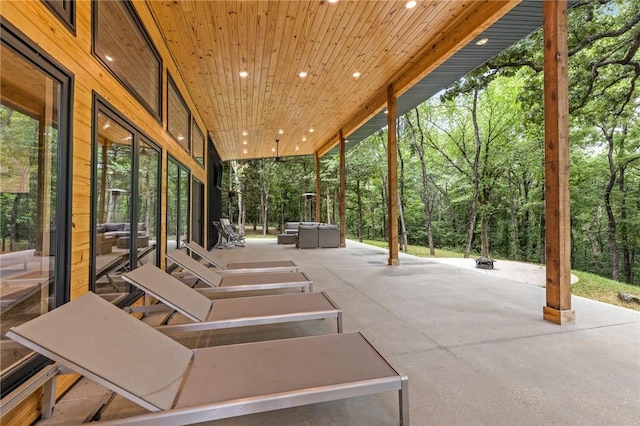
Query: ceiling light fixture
(280, 131)
(108, 58)
(333, 1)
(482, 41)
(304, 139)
(302, 74)
(245, 133)
(311, 130)
(356, 74)
(411, 4)
(244, 142)
(297, 148)
(244, 151)
(273, 150)
(244, 74)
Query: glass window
(123, 157)
(124, 47)
(65, 10)
(177, 205)
(113, 202)
(149, 202)
(178, 116)
(198, 144)
(34, 179)
(197, 212)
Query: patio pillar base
(393, 262)
(559, 317)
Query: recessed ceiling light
(180, 138)
(386, 111)
(346, 141)
(280, 131)
(244, 151)
(245, 133)
(297, 148)
(244, 74)
(410, 4)
(333, 1)
(106, 126)
(304, 139)
(244, 142)
(482, 41)
(273, 150)
(108, 58)
(356, 74)
(311, 130)
(302, 74)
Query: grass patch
(605, 290)
(421, 251)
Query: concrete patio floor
(474, 346)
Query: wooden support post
(343, 189)
(318, 187)
(556, 116)
(392, 170)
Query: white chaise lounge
(181, 386)
(242, 267)
(208, 314)
(240, 282)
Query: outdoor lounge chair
(239, 282)
(210, 314)
(225, 234)
(180, 385)
(232, 231)
(242, 267)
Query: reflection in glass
(113, 202)
(177, 205)
(148, 172)
(178, 118)
(28, 178)
(124, 47)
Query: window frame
(152, 48)
(172, 85)
(20, 44)
(100, 105)
(188, 176)
(195, 131)
(66, 15)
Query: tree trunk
(426, 200)
(404, 246)
(13, 235)
(611, 220)
(403, 229)
(476, 176)
(514, 222)
(360, 213)
(485, 236)
(624, 234)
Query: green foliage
(497, 146)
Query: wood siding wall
(73, 52)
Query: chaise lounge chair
(242, 267)
(239, 282)
(210, 314)
(180, 385)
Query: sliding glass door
(126, 202)
(178, 178)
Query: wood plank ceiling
(274, 41)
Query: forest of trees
(471, 159)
